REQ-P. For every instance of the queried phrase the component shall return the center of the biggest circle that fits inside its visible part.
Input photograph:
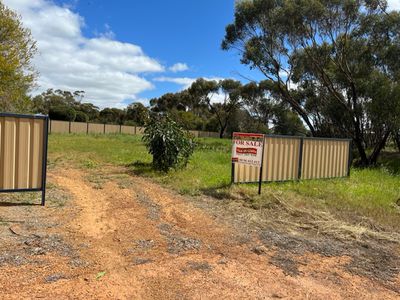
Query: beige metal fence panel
(21, 153)
(96, 128)
(59, 126)
(139, 130)
(78, 127)
(325, 158)
(281, 162)
(128, 129)
(81, 127)
(320, 158)
(195, 133)
(112, 128)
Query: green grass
(369, 194)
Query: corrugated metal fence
(23, 152)
(292, 158)
(80, 127)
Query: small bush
(168, 143)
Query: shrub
(63, 113)
(81, 117)
(168, 143)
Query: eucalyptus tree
(335, 62)
(223, 98)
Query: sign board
(247, 148)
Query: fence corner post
(350, 158)
(44, 159)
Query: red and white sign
(247, 148)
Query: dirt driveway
(123, 237)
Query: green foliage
(137, 113)
(335, 63)
(187, 119)
(17, 76)
(170, 145)
(63, 113)
(81, 117)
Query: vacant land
(109, 233)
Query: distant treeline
(221, 106)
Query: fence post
(69, 127)
(44, 158)
(120, 128)
(233, 173)
(135, 129)
(261, 167)
(300, 163)
(350, 158)
(49, 126)
(104, 128)
(87, 127)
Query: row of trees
(224, 106)
(227, 106)
(334, 62)
(67, 106)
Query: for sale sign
(247, 148)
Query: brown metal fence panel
(78, 127)
(285, 158)
(21, 153)
(59, 126)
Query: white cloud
(179, 67)
(108, 71)
(394, 4)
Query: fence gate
(23, 153)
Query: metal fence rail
(81, 127)
(293, 158)
(23, 153)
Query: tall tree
(137, 113)
(17, 75)
(322, 57)
(229, 92)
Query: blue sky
(170, 31)
(125, 51)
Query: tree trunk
(221, 132)
(361, 150)
(396, 137)
(373, 158)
